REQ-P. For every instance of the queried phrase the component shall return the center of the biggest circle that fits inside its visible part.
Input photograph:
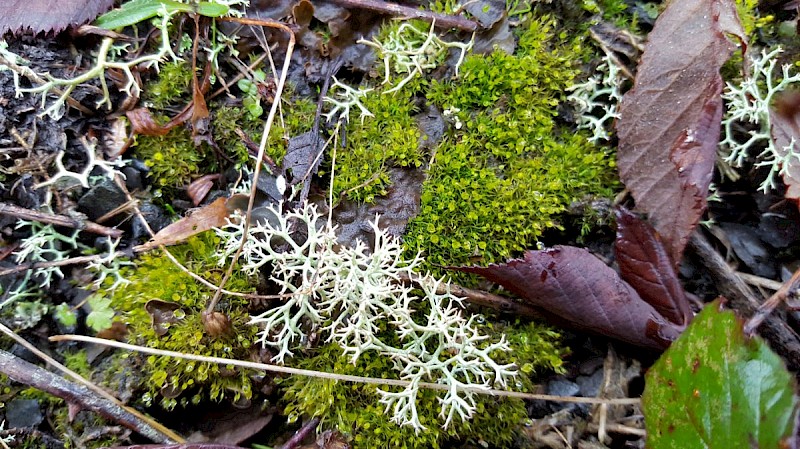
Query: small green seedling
(252, 99)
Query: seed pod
(216, 324)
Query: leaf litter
(666, 158)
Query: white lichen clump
(344, 98)
(351, 296)
(749, 102)
(409, 51)
(597, 100)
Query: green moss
(172, 87)
(389, 138)
(174, 160)
(354, 410)
(78, 361)
(502, 179)
(297, 119)
(157, 278)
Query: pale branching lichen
(110, 267)
(106, 59)
(749, 102)
(407, 50)
(45, 244)
(93, 161)
(343, 98)
(352, 294)
(597, 100)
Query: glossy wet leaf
(644, 263)
(670, 120)
(136, 11)
(715, 388)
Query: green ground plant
(181, 381)
(503, 177)
(506, 167)
(353, 409)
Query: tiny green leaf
(65, 315)
(716, 388)
(101, 315)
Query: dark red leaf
(670, 120)
(646, 266)
(578, 288)
(49, 15)
(785, 119)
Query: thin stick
(57, 263)
(786, 292)
(482, 298)
(300, 435)
(106, 404)
(339, 377)
(248, 218)
(393, 9)
(758, 281)
(58, 220)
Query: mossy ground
(354, 410)
(494, 184)
(172, 381)
(501, 177)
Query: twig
(484, 299)
(786, 292)
(783, 339)
(339, 377)
(248, 218)
(58, 220)
(758, 281)
(87, 394)
(57, 263)
(393, 9)
(620, 429)
(301, 434)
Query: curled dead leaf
(200, 187)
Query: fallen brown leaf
(202, 219)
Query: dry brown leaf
(202, 219)
(143, 123)
(200, 187)
(670, 120)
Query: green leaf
(101, 316)
(716, 388)
(65, 315)
(136, 11)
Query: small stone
(23, 413)
(101, 199)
